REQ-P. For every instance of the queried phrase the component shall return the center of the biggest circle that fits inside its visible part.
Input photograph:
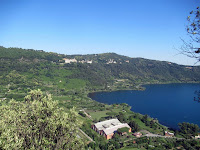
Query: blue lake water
(169, 103)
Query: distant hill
(24, 69)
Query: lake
(169, 103)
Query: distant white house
(127, 61)
(111, 61)
(89, 61)
(137, 134)
(188, 67)
(198, 136)
(86, 61)
(169, 133)
(67, 61)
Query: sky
(150, 29)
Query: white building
(107, 128)
(67, 61)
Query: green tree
(145, 120)
(122, 130)
(38, 123)
(122, 117)
(82, 113)
(189, 129)
(134, 126)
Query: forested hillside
(69, 78)
(22, 70)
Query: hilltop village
(110, 61)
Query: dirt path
(148, 134)
(91, 140)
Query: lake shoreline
(143, 85)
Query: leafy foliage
(193, 27)
(38, 123)
(122, 130)
(134, 126)
(189, 129)
(28, 55)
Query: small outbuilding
(137, 134)
(198, 136)
(169, 134)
